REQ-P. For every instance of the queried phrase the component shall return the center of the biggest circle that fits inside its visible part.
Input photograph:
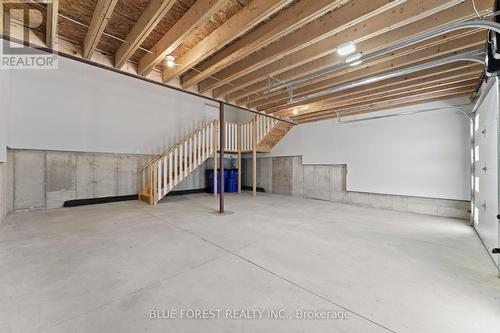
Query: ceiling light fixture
(352, 59)
(346, 48)
(170, 61)
(295, 111)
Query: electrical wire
(475, 9)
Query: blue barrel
(210, 177)
(231, 180)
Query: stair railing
(165, 171)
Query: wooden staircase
(272, 137)
(160, 176)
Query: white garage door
(485, 179)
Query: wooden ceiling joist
(320, 55)
(233, 49)
(372, 22)
(397, 95)
(197, 14)
(373, 111)
(283, 23)
(100, 18)
(384, 105)
(364, 71)
(237, 25)
(352, 14)
(389, 94)
(51, 26)
(450, 73)
(151, 16)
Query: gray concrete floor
(103, 268)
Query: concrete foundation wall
(287, 175)
(40, 179)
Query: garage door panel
(485, 202)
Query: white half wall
(79, 107)
(423, 155)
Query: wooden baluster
(211, 137)
(176, 165)
(139, 184)
(203, 136)
(237, 137)
(164, 175)
(158, 180)
(190, 148)
(170, 172)
(186, 158)
(181, 171)
(195, 149)
(154, 182)
(150, 183)
(234, 136)
(246, 136)
(208, 136)
(198, 153)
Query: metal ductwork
(447, 108)
(474, 56)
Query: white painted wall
(84, 108)
(4, 107)
(237, 115)
(425, 155)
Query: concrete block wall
(328, 182)
(40, 179)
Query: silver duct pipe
(451, 108)
(473, 56)
(411, 41)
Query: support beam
(201, 11)
(239, 157)
(254, 156)
(359, 24)
(283, 23)
(237, 25)
(100, 18)
(222, 143)
(321, 54)
(151, 16)
(214, 140)
(51, 27)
